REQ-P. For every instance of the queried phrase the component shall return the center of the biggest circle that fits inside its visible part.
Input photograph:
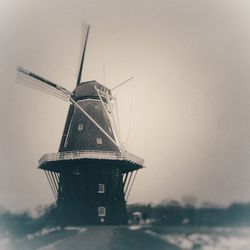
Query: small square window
(80, 126)
(96, 106)
(76, 172)
(99, 140)
(101, 188)
(101, 211)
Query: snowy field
(204, 238)
(131, 238)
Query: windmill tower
(92, 174)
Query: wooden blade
(120, 84)
(35, 81)
(83, 56)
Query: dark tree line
(168, 214)
(173, 213)
(22, 224)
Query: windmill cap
(88, 90)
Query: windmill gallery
(92, 174)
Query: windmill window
(96, 106)
(76, 172)
(99, 140)
(101, 188)
(80, 126)
(101, 211)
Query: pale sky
(187, 108)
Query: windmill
(92, 174)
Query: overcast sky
(186, 112)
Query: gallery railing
(91, 154)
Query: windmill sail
(35, 81)
(83, 56)
(66, 127)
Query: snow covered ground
(210, 239)
(131, 238)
